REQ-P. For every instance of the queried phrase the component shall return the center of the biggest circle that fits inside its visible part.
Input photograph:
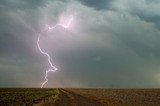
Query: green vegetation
(25, 96)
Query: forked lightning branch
(53, 68)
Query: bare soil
(79, 97)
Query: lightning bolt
(53, 68)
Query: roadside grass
(25, 96)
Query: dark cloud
(98, 4)
(102, 49)
(22, 4)
(146, 10)
(149, 18)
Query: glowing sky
(111, 43)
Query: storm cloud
(111, 43)
(98, 5)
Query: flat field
(79, 97)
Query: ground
(79, 97)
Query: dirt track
(72, 99)
(66, 98)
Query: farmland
(122, 97)
(25, 96)
(78, 97)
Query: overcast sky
(110, 43)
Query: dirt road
(71, 99)
(67, 98)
